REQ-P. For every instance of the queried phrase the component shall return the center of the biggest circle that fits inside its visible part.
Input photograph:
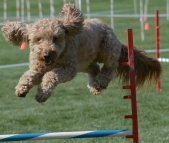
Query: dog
(62, 47)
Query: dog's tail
(146, 68)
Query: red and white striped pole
(28, 11)
(5, 10)
(23, 45)
(22, 10)
(40, 8)
(88, 8)
(52, 9)
(157, 43)
(17, 11)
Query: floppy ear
(14, 32)
(73, 20)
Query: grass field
(72, 107)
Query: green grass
(72, 107)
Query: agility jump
(98, 133)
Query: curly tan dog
(61, 47)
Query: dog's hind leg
(110, 65)
(92, 71)
(110, 53)
(99, 79)
(105, 76)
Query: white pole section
(80, 4)
(40, 8)
(76, 3)
(88, 8)
(145, 10)
(52, 10)
(5, 10)
(135, 6)
(28, 11)
(167, 9)
(17, 11)
(112, 13)
(22, 10)
(142, 20)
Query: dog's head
(46, 37)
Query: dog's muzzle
(47, 59)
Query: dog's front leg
(26, 82)
(51, 79)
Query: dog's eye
(38, 39)
(54, 39)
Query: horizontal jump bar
(65, 135)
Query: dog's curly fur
(61, 47)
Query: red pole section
(132, 88)
(157, 34)
(157, 43)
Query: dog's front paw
(21, 91)
(42, 95)
(94, 89)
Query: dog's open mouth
(47, 62)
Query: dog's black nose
(46, 56)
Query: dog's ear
(14, 32)
(73, 20)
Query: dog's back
(91, 43)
